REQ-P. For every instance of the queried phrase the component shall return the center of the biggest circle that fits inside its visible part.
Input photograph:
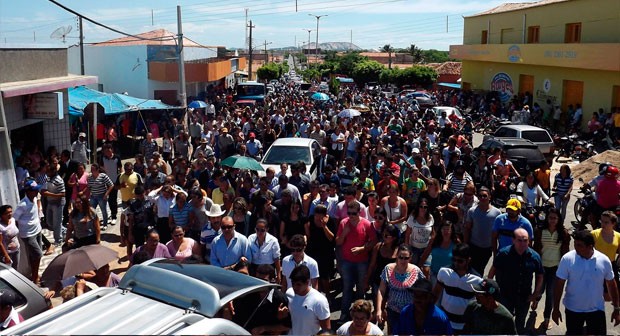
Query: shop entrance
(29, 135)
(526, 84)
(572, 93)
(615, 97)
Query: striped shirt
(98, 186)
(347, 177)
(457, 185)
(181, 216)
(457, 294)
(551, 254)
(55, 185)
(563, 184)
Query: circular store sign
(514, 53)
(502, 83)
(547, 85)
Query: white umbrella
(349, 113)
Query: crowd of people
(395, 205)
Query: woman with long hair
(383, 253)
(83, 227)
(241, 216)
(396, 208)
(551, 242)
(78, 181)
(295, 224)
(529, 192)
(420, 234)
(435, 198)
(563, 184)
(441, 248)
(396, 280)
(167, 147)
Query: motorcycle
(583, 206)
(565, 145)
(583, 150)
(537, 214)
(505, 189)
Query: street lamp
(308, 30)
(316, 46)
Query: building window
(506, 35)
(485, 37)
(533, 34)
(573, 33)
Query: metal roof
(515, 6)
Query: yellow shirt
(543, 178)
(131, 182)
(217, 196)
(604, 247)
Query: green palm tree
(416, 53)
(388, 49)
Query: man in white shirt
(309, 308)
(27, 215)
(296, 258)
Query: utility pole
(250, 52)
(247, 42)
(351, 45)
(316, 46)
(81, 46)
(181, 59)
(308, 30)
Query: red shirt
(358, 235)
(607, 193)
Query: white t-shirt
(306, 311)
(584, 293)
(288, 264)
(420, 233)
(335, 137)
(344, 329)
(455, 284)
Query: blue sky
(429, 24)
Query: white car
(537, 135)
(291, 150)
(449, 111)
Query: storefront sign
(46, 105)
(547, 85)
(502, 83)
(514, 53)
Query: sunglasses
(299, 249)
(423, 206)
(260, 230)
(178, 235)
(352, 213)
(228, 227)
(483, 196)
(404, 258)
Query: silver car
(29, 298)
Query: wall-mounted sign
(514, 53)
(502, 83)
(547, 85)
(46, 105)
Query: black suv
(524, 154)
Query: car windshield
(288, 154)
(250, 90)
(536, 136)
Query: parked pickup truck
(29, 298)
(159, 297)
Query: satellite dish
(61, 33)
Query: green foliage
(310, 73)
(435, 56)
(271, 71)
(367, 71)
(334, 86)
(347, 62)
(301, 57)
(388, 76)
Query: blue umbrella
(197, 104)
(320, 96)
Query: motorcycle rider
(608, 192)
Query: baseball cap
(513, 204)
(487, 286)
(82, 134)
(31, 185)
(252, 135)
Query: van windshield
(536, 136)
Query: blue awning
(113, 103)
(450, 85)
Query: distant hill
(333, 46)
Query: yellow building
(565, 51)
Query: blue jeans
(53, 215)
(103, 205)
(353, 274)
(561, 204)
